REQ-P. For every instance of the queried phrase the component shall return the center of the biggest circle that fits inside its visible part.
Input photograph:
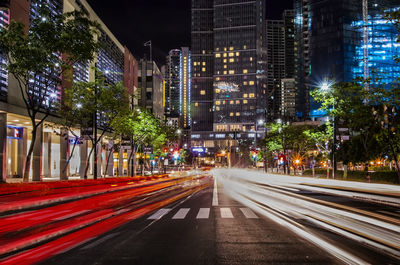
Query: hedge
(377, 176)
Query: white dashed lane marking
(226, 213)
(159, 214)
(181, 214)
(248, 213)
(204, 213)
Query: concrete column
(64, 155)
(3, 147)
(46, 154)
(121, 162)
(22, 150)
(84, 154)
(99, 160)
(37, 155)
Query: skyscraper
(302, 59)
(336, 42)
(275, 47)
(229, 89)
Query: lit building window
(245, 95)
(231, 102)
(251, 83)
(237, 53)
(225, 66)
(217, 91)
(196, 104)
(237, 102)
(245, 83)
(237, 113)
(225, 54)
(203, 69)
(225, 49)
(251, 95)
(202, 92)
(204, 63)
(231, 54)
(194, 63)
(217, 102)
(225, 72)
(244, 47)
(203, 52)
(217, 49)
(251, 59)
(217, 108)
(231, 60)
(231, 72)
(217, 55)
(225, 60)
(245, 71)
(231, 48)
(231, 114)
(245, 101)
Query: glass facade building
(382, 49)
(336, 43)
(4, 21)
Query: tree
(39, 57)
(86, 102)
(143, 129)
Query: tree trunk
(29, 155)
(108, 160)
(130, 162)
(70, 156)
(88, 163)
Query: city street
(238, 217)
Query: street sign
(148, 150)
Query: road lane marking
(248, 213)
(159, 214)
(215, 193)
(226, 213)
(70, 215)
(204, 213)
(181, 214)
(99, 241)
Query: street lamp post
(258, 123)
(326, 87)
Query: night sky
(165, 22)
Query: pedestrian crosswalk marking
(159, 214)
(181, 214)
(204, 213)
(226, 213)
(248, 213)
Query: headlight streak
(261, 190)
(296, 228)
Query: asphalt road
(193, 231)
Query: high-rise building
(150, 88)
(279, 46)
(229, 79)
(302, 68)
(336, 42)
(275, 47)
(51, 149)
(172, 79)
(289, 37)
(202, 48)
